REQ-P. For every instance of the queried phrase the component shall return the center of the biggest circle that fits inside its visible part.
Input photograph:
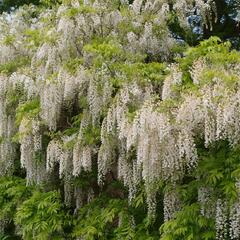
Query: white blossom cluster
(228, 219)
(206, 202)
(221, 220)
(12, 39)
(171, 204)
(235, 221)
(58, 153)
(31, 150)
(7, 131)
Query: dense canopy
(120, 120)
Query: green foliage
(29, 109)
(188, 224)
(218, 169)
(13, 97)
(100, 220)
(9, 40)
(39, 215)
(3, 236)
(50, 3)
(12, 66)
(80, 10)
(86, 179)
(216, 54)
(211, 45)
(96, 220)
(42, 217)
(74, 126)
(13, 192)
(91, 135)
(143, 72)
(73, 65)
(105, 52)
(33, 37)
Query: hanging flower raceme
(31, 150)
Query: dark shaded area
(226, 27)
(7, 5)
